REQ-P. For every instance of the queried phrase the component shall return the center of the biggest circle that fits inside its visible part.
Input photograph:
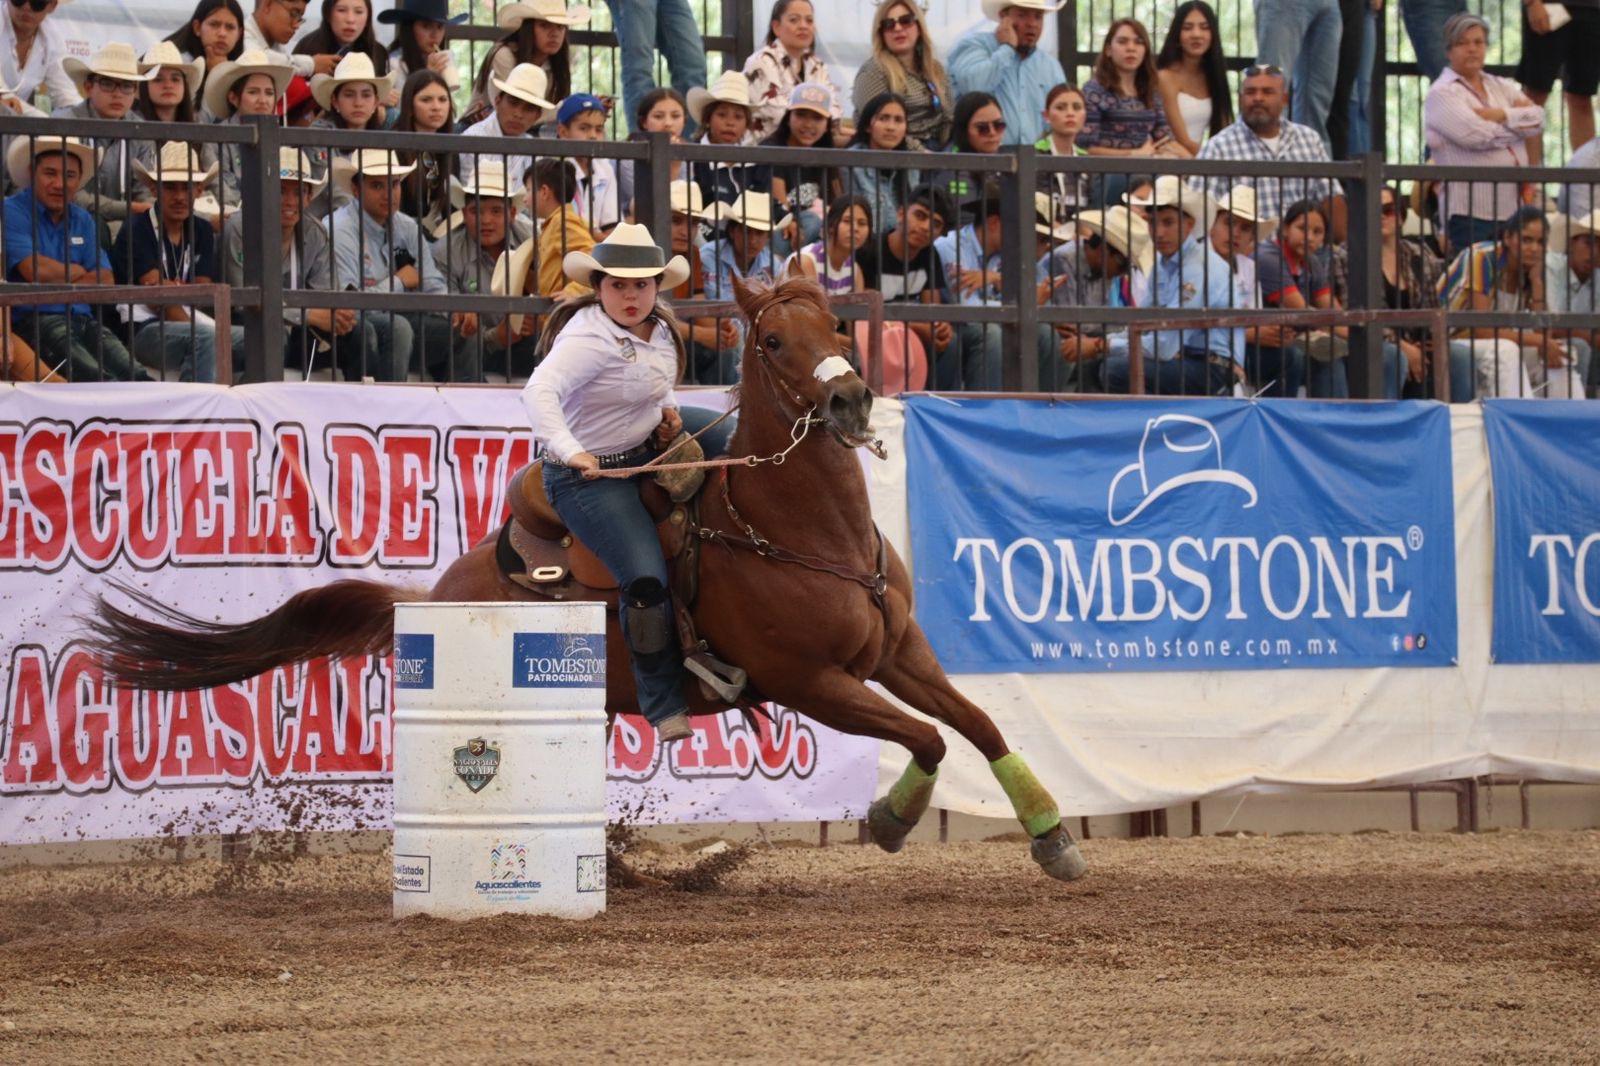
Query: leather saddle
(537, 551)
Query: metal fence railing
(1013, 295)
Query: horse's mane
(793, 287)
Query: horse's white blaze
(832, 367)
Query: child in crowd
(582, 117)
(520, 107)
(536, 34)
(1064, 113)
(419, 32)
(723, 112)
(661, 110)
(799, 188)
(562, 228)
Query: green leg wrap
(1035, 809)
(909, 796)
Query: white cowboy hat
(731, 87)
(1240, 201)
(1043, 219)
(1123, 230)
(510, 277)
(377, 162)
(1171, 191)
(227, 75)
(627, 252)
(752, 210)
(23, 150)
(488, 180)
(1589, 224)
(686, 199)
(178, 162)
(992, 8)
(355, 67)
(294, 164)
(166, 54)
(555, 12)
(527, 82)
(115, 60)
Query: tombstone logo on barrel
(476, 762)
(558, 660)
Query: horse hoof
(888, 832)
(1057, 855)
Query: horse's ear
(794, 270)
(742, 293)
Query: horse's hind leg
(841, 702)
(914, 675)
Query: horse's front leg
(914, 675)
(840, 701)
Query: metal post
(1378, 94)
(1365, 363)
(1019, 367)
(738, 22)
(653, 197)
(263, 261)
(1067, 40)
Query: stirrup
(724, 681)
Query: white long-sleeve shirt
(1458, 137)
(304, 65)
(600, 389)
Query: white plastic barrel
(499, 759)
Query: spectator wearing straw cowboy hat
(1570, 288)
(50, 240)
(1187, 275)
(249, 85)
(351, 98)
(31, 51)
(1109, 250)
(537, 34)
(419, 32)
(109, 81)
(602, 399)
(723, 113)
(379, 248)
(1008, 62)
(169, 95)
(519, 108)
(170, 245)
(307, 265)
(743, 251)
(472, 259)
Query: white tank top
(1196, 112)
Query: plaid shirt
(1296, 144)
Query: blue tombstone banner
(1181, 535)
(1546, 476)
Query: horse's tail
(174, 651)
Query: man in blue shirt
(379, 248)
(49, 240)
(1008, 62)
(741, 252)
(1188, 275)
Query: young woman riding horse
(602, 398)
(795, 584)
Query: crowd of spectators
(123, 211)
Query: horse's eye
(770, 342)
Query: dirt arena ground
(1357, 948)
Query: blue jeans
(1395, 371)
(1361, 98)
(78, 347)
(1302, 37)
(610, 518)
(1424, 20)
(974, 358)
(642, 27)
(1186, 375)
(1276, 371)
(189, 349)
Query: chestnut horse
(810, 637)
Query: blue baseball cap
(577, 104)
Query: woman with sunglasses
(978, 125)
(31, 51)
(903, 62)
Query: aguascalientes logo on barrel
(476, 763)
(413, 660)
(558, 660)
